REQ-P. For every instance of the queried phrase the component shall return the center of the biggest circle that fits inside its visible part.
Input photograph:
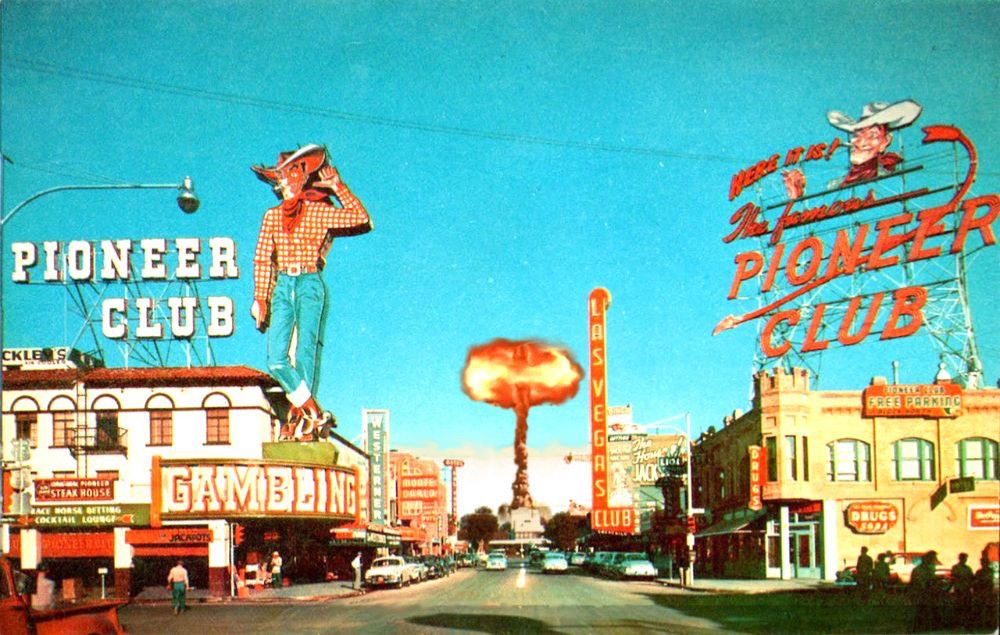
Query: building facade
(796, 486)
(126, 470)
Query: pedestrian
(926, 593)
(961, 587)
(984, 597)
(356, 565)
(276, 569)
(863, 574)
(177, 582)
(45, 589)
(881, 574)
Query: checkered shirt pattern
(307, 245)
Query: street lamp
(690, 509)
(187, 200)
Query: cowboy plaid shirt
(307, 245)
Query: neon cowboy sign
(794, 262)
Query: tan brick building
(841, 474)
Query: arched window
(913, 460)
(106, 434)
(26, 420)
(848, 460)
(216, 407)
(976, 457)
(161, 420)
(63, 422)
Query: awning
(364, 536)
(731, 525)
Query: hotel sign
(871, 517)
(936, 401)
(224, 489)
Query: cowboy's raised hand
(329, 177)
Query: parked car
(496, 562)
(467, 560)
(554, 562)
(17, 616)
(576, 558)
(418, 570)
(433, 564)
(632, 566)
(389, 571)
(901, 567)
(603, 561)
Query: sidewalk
(314, 592)
(719, 585)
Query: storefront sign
(871, 517)
(960, 485)
(603, 517)
(913, 400)
(984, 517)
(169, 536)
(375, 432)
(758, 468)
(65, 490)
(225, 489)
(422, 488)
(86, 515)
(70, 545)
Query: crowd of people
(957, 598)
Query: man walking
(177, 582)
(863, 574)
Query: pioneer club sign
(78, 261)
(871, 517)
(919, 400)
(792, 271)
(245, 488)
(603, 517)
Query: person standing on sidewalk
(177, 582)
(863, 574)
(276, 569)
(356, 565)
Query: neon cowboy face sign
(884, 212)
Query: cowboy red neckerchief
(292, 207)
(870, 168)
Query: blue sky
(513, 156)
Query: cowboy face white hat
(892, 116)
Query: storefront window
(161, 427)
(976, 457)
(848, 460)
(774, 552)
(913, 460)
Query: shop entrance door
(802, 552)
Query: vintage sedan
(554, 562)
(633, 566)
(496, 562)
(388, 571)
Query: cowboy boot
(311, 415)
(292, 422)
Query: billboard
(375, 435)
(839, 255)
(223, 489)
(937, 401)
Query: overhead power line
(317, 111)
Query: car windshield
(385, 562)
(496, 556)
(634, 556)
(554, 556)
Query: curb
(302, 599)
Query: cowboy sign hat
(879, 113)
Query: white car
(554, 562)
(635, 567)
(576, 558)
(496, 562)
(388, 571)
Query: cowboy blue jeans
(298, 302)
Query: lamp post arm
(108, 186)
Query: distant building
(420, 501)
(902, 468)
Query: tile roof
(138, 377)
